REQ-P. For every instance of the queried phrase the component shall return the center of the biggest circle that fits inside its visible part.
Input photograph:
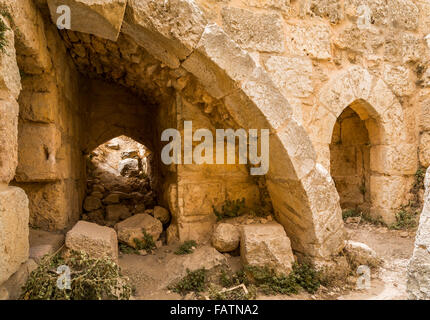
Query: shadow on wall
(350, 161)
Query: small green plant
(126, 249)
(419, 178)
(3, 41)
(147, 243)
(271, 283)
(186, 247)
(364, 217)
(350, 213)
(404, 220)
(230, 209)
(194, 281)
(407, 216)
(302, 276)
(363, 189)
(306, 277)
(377, 221)
(227, 280)
(91, 279)
(5, 14)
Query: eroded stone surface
(262, 32)
(418, 285)
(102, 18)
(266, 245)
(134, 228)
(95, 240)
(226, 237)
(14, 231)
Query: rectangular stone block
(95, 240)
(53, 206)
(197, 199)
(255, 31)
(199, 231)
(90, 16)
(247, 190)
(38, 99)
(38, 147)
(266, 245)
(309, 39)
(389, 192)
(292, 75)
(398, 159)
(10, 80)
(30, 37)
(8, 139)
(14, 244)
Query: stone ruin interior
(344, 95)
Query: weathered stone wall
(14, 215)
(201, 187)
(308, 48)
(291, 67)
(50, 164)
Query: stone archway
(392, 154)
(302, 192)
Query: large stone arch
(302, 191)
(392, 153)
(178, 34)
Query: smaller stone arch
(392, 152)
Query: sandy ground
(151, 274)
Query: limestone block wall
(326, 56)
(179, 36)
(201, 187)
(14, 213)
(50, 165)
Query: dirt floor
(151, 274)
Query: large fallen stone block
(418, 285)
(14, 216)
(226, 237)
(102, 18)
(203, 257)
(266, 245)
(93, 239)
(134, 228)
